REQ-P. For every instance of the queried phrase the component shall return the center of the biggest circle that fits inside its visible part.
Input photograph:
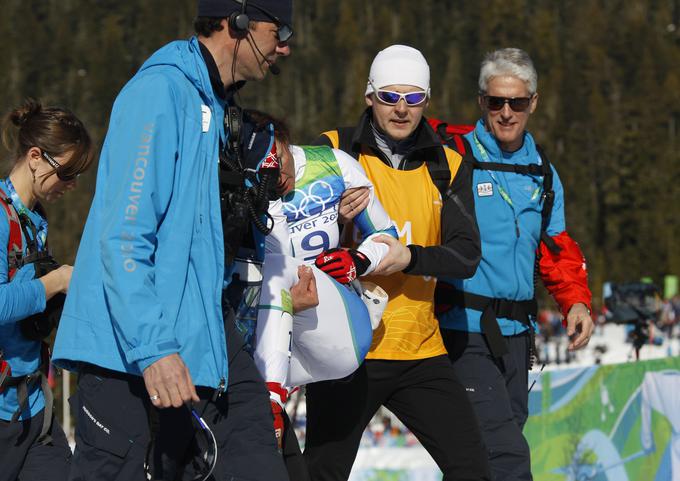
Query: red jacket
(564, 274)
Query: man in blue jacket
(487, 329)
(143, 323)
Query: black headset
(239, 21)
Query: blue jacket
(510, 233)
(149, 272)
(20, 298)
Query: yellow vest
(409, 329)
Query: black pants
(498, 391)
(112, 431)
(22, 458)
(292, 455)
(424, 394)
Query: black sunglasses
(58, 168)
(517, 104)
(284, 31)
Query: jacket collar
(213, 72)
(526, 154)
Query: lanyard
(501, 190)
(24, 213)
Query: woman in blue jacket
(50, 148)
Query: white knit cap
(399, 65)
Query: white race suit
(331, 340)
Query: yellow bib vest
(409, 329)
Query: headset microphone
(273, 68)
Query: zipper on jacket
(516, 227)
(221, 389)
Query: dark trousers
(498, 392)
(292, 455)
(113, 433)
(22, 458)
(425, 395)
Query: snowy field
(608, 346)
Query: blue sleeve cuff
(392, 231)
(146, 355)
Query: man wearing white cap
(426, 190)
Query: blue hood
(186, 57)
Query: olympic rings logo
(318, 196)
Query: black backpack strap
(14, 242)
(440, 173)
(32, 246)
(548, 200)
(23, 385)
(543, 169)
(491, 309)
(453, 141)
(529, 169)
(345, 137)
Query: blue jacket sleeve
(21, 297)
(139, 158)
(557, 222)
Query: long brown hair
(54, 130)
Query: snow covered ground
(608, 346)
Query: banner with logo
(618, 422)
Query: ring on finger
(155, 397)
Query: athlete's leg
(292, 454)
(431, 402)
(328, 341)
